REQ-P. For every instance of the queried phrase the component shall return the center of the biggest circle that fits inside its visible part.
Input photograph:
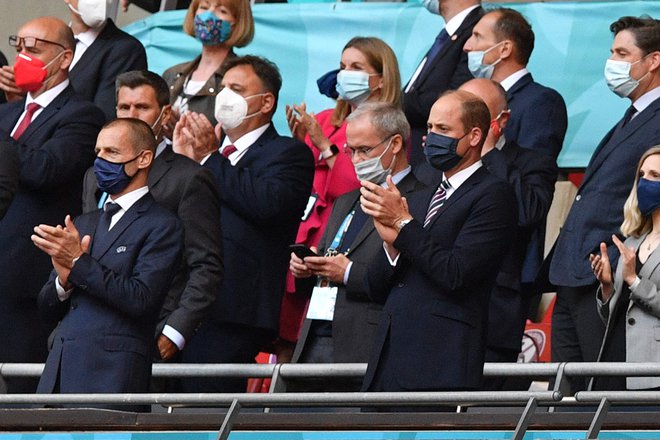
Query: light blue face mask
(476, 63)
(353, 86)
(433, 6)
(618, 79)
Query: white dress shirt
(83, 41)
(43, 100)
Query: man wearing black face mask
(53, 131)
(375, 133)
(185, 188)
(112, 269)
(443, 249)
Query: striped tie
(436, 201)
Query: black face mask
(328, 84)
(440, 151)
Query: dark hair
(140, 134)
(511, 25)
(645, 29)
(139, 78)
(474, 112)
(266, 71)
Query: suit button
(578, 197)
(211, 90)
(631, 321)
(400, 284)
(73, 306)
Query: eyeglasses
(29, 42)
(363, 152)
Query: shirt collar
(500, 143)
(129, 199)
(398, 177)
(459, 178)
(646, 99)
(89, 36)
(510, 80)
(249, 138)
(457, 20)
(161, 147)
(48, 96)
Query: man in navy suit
(112, 269)
(264, 181)
(443, 249)
(53, 131)
(632, 71)
(532, 176)
(10, 168)
(374, 130)
(443, 68)
(103, 51)
(188, 190)
(499, 49)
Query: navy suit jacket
(188, 190)
(113, 52)
(597, 211)
(448, 72)
(532, 176)
(538, 117)
(55, 151)
(262, 200)
(356, 317)
(104, 341)
(432, 332)
(10, 168)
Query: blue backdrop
(305, 41)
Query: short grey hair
(386, 118)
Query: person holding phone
(628, 299)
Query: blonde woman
(629, 299)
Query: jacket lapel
(51, 110)
(253, 153)
(459, 192)
(162, 164)
(519, 85)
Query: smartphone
(302, 251)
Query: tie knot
(111, 208)
(445, 184)
(32, 107)
(226, 152)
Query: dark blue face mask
(440, 151)
(111, 177)
(648, 196)
(328, 84)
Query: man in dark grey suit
(187, 189)
(374, 129)
(632, 71)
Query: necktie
(435, 49)
(109, 210)
(228, 150)
(629, 115)
(436, 201)
(25, 122)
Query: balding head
(49, 29)
(490, 92)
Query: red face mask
(495, 128)
(30, 73)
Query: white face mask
(231, 108)
(94, 13)
(372, 170)
(618, 79)
(476, 63)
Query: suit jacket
(432, 332)
(154, 5)
(188, 190)
(356, 316)
(55, 151)
(597, 211)
(112, 53)
(538, 117)
(104, 341)
(642, 318)
(262, 200)
(10, 168)
(532, 176)
(448, 72)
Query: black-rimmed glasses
(29, 42)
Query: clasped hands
(63, 245)
(387, 207)
(602, 268)
(331, 268)
(195, 137)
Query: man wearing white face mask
(499, 49)
(264, 181)
(103, 51)
(632, 71)
(375, 137)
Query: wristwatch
(401, 223)
(332, 151)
